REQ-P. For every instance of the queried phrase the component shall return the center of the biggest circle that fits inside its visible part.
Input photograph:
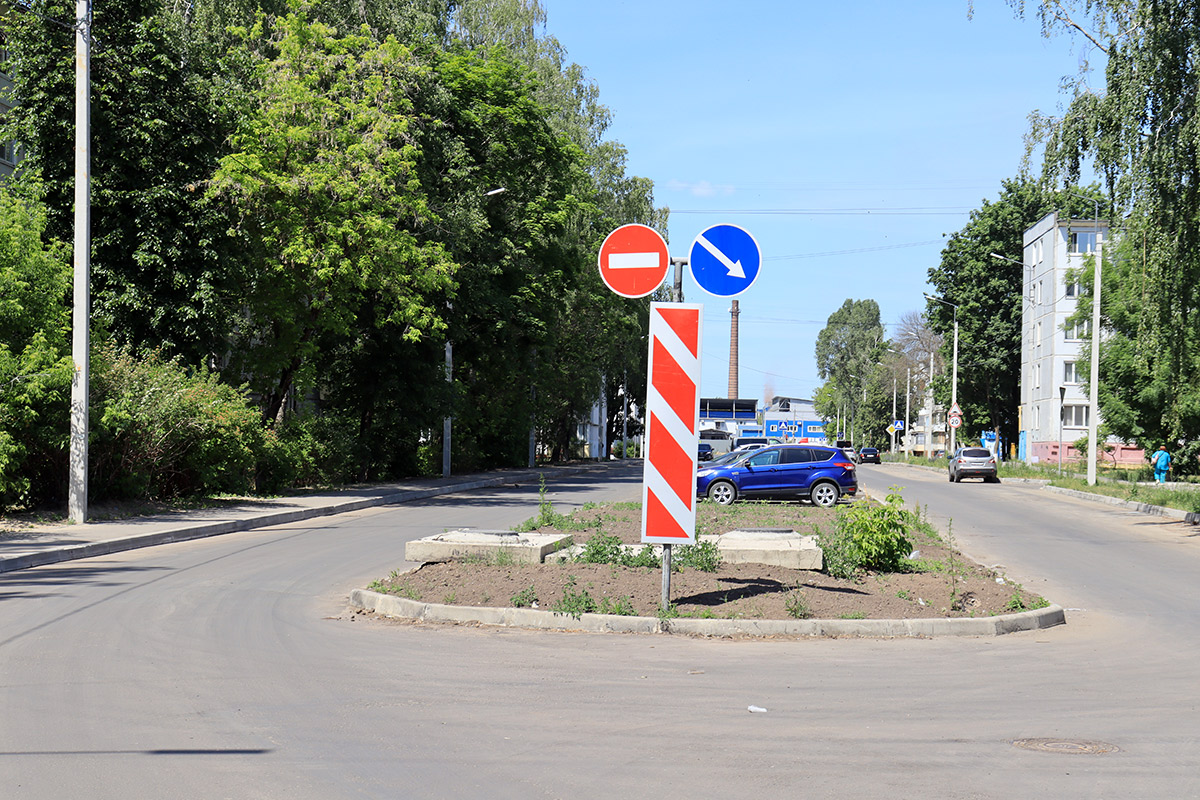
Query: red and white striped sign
(672, 424)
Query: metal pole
(625, 416)
(80, 315)
(893, 450)
(954, 388)
(446, 419)
(1094, 388)
(907, 412)
(666, 577)
(1062, 395)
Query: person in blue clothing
(1162, 462)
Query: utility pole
(81, 312)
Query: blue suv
(796, 471)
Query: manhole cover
(1070, 746)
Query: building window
(1075, 416)
(1069, 375)
(1037, 417)
(1037, 376)
(1082, 242)
(1072, 290)
(8, 153)
(1077, 329)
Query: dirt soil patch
(940, 583)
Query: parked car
(788, 471)
(973, 462)
(726, 458)
(850, 454)
(704, 451)
(869, 455)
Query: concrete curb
(189, 531)
(1190, 517)
(391, 606)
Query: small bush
(796, 605)
(601, 549)
(868, 537)
(703, 556)
(622, 607)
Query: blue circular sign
(725, 260)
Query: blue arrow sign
(725, 260)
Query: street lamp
(1094, 387)
(954, 380)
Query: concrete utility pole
(77, 501)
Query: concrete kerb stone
(537, 619)
(1189, 517)
(187, 532)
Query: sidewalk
(50, 544)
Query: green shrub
(162, 431)
(703, 556)
(868, 537)
(524, 598)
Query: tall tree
(1140, 130)
(323, 177)
(850, 352)
(987, 292)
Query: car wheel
(958, 478)
(825, 495)
(952, 477)
(722, 493)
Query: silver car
(973, 462)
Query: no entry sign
(672, 424)
(633, 260)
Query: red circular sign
(633, 260)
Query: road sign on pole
(672, 424)
(898, 424)
(725, 260)
(633, 260)
(955, 411)
(955, 421)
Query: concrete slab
(776, 547)
(488, 545)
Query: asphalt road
(231, 667)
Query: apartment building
(1053, 349)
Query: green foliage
(606, 549)
(796, 605)
(1139, 134)
(35, 362)
(849, 352)
(870, 537)
(988, 292)
(621, 606)
(161, 431)
(524, 598)
(703, 556)
(574, 602)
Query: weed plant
(622, 606)
(796, 605)
(524, 598)
(574, 603)
(703, 556)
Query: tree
(35, 355)
(1140, 132)
(323, 178)
(987, 292)
(858, 386)
(160, 256)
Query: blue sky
(883, 124)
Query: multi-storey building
(1052, 348)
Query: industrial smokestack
(733, 351)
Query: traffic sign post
(725, 260)
(633, 260)
(672, 430)
(672, 424)
(955, 420)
